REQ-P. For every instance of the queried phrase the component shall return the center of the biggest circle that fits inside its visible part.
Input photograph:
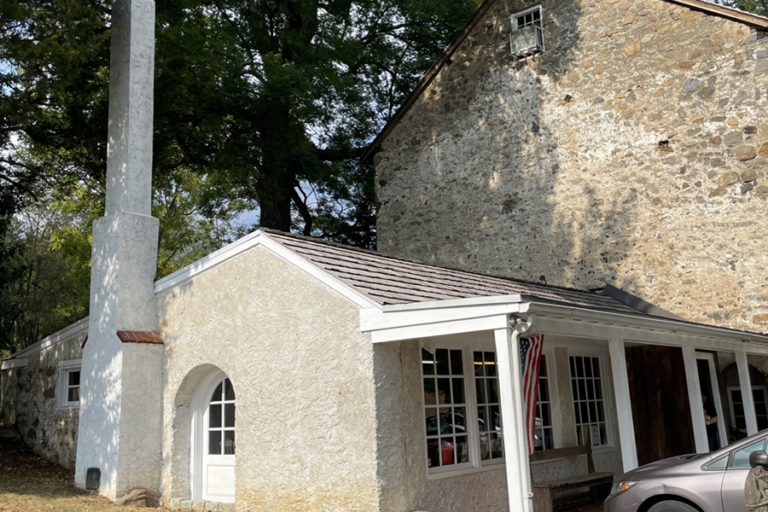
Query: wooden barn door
(660, 406)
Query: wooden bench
(599, 484)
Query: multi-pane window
(545, 437)
(488, 406)
(737, 408)
(445, 408)
(68, 384)
(73, 386)
(221, 420)
(528, 18)
(587, 388)
(527, 37)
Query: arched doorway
(213, 440)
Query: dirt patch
(29, 483)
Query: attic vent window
(527, 37)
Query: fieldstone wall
(30, 401)
(632, 152)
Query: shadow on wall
(487, 121)
(606, 159)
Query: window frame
(471, 417)
(731, 389)
(489, 462)
(606, 382)
(62, 383)
(476, 465)
(554, 399)
(516, 25)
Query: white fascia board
(465, 326)
(390, 317)
(19, 362)
(70, 363)
(259, 239)
(48, 341)
(640, 322)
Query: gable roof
(388, 280)
(748, 18)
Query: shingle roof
(388, 280)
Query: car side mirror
(758, 458)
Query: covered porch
(629, 385)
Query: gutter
(643, 322)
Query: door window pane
(221, 420)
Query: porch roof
(390, 281)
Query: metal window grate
(527, 37)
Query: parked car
(708, 482)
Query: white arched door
(215, 442)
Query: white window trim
(730, 402)
(608, 402)
(516, 16)
(716, 398)
(197, 432)
(62, 382)
(471, 418)
(554, 399)
(475, 464)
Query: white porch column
(694, 397)
(623, 404)
(515, 445)
(746, 392)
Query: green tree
(261, 105)
(757, 6)
(270, 102)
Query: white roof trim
(65, 333)
(642, 321)
(20, 362)
(260, 239)
(399, 323)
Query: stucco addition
(303, 374)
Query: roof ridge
(274, 232)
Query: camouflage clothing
(756, 490)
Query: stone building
(283, 373)
(632, 150)
(40, 393)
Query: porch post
(694, 397)
(515, 446)
(746, 392)
(623, 404)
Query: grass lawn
(31, 484)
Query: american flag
(530, 362)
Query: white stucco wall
(302, 374)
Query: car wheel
(672, 506)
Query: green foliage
(261, 105)
(757, 6)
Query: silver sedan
(709, 482)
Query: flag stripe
(530, 359)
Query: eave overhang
(444, 318)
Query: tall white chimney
(120, 429)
